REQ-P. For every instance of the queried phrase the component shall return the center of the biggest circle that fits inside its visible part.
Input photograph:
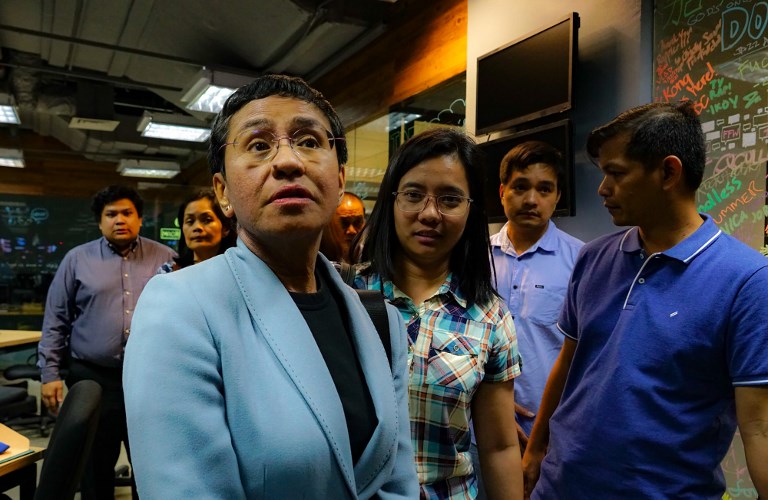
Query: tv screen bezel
(566, 207)
(573, 22)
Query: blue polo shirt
(533, 284)
(648, 406)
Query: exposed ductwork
(146, 53)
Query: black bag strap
(347, 273)
(373, 301)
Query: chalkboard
(715, 53)
(35, 234)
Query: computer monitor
(527, 79)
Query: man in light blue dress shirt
(534, 260)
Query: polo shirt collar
(547, 243)
(686, 250)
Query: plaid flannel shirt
(451, 350)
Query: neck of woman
(419, 281)
(201, 255)
(293, 262)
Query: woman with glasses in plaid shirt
(427, 245)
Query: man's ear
(672, 172)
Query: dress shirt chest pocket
(453, 361)
(542, 305)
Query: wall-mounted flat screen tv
(557, 134)
(529, 78)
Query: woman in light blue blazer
(258, 373)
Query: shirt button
(127, 331)
(641, 280)
(126, 275)
(455, 348)
(127, 292)
(515, 287)
(127, 311)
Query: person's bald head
(351, 215)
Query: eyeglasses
(416, 201)
(309, 144)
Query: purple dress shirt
(91, 300)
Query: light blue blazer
(227, 395)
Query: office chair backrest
(70, 443)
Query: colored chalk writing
(715, 54)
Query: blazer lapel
(277, 318)
(378, 376)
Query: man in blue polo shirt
(665, 333)
(534, 260)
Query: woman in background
(205, 231)
(428, 247)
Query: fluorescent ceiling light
(176, 132)
(8, 111)
(93, 124)
(211, 100)
(148, 168)
(11, 158)
(169, 126)
(210, 89)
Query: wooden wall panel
(426, 47)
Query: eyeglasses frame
(429, 197)
(331, 139)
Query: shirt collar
(449, 287)
(686, 250)
(113, 248)
(547, 243)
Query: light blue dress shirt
(534, 285)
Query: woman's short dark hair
(656, 131)
(261, 88)
(530, 153)
(186, 256)
(470, 260)
(111, 194)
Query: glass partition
(372, 144)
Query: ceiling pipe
(118, 48)
(90, 43)
(97, 77)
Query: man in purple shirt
(87, 321)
